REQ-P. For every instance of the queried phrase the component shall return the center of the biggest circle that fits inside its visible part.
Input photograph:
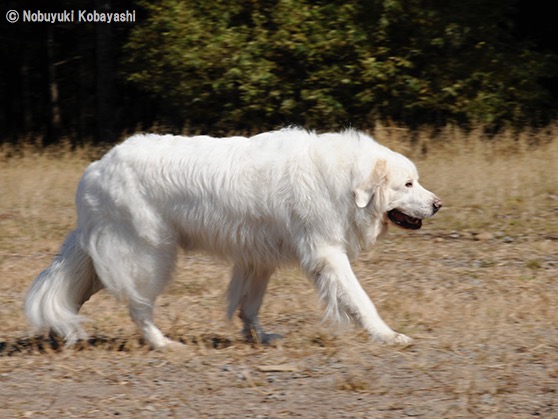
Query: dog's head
(393, 189)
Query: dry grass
(476, 287)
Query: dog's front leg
(345, 298)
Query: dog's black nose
(436, 205)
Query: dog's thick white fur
(262, 202)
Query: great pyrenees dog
(282, 197)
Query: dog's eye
(409, 185)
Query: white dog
(261, 202)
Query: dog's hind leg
(344, 297)
(148, 288)
(246, 292)
(142, 314)
(137, 271)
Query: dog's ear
(377, 179)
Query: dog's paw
(398, 339)
(174, 347)
(270, 338)
(167, 344)
(260, 337)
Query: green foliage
(234, 65)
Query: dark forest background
(223, 67)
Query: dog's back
(231, 197)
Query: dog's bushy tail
(56, 295)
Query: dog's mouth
(403, 220)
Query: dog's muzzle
(436, 205)
(411, 223)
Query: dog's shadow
(52, 343)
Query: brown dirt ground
(482, 312)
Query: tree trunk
(105, 70)
(54, 128)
